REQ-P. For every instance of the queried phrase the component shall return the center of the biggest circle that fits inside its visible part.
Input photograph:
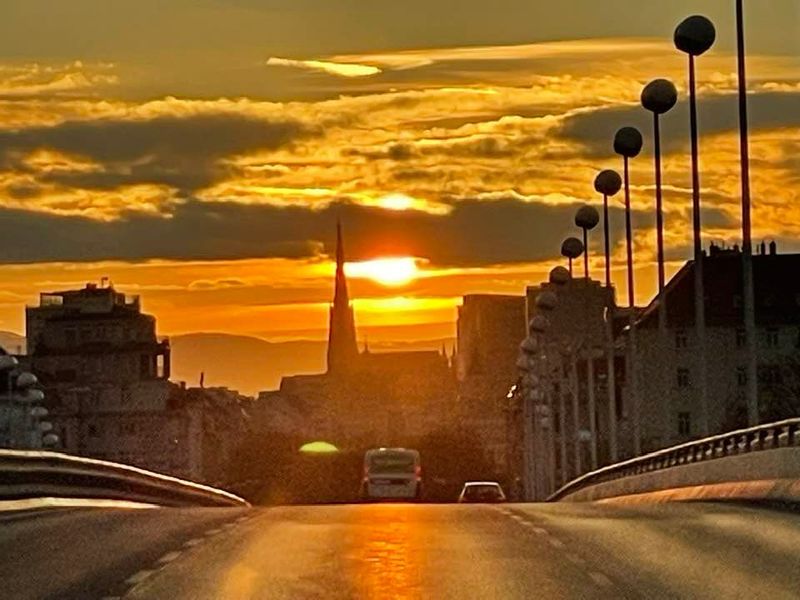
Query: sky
(199, 153)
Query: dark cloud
(474, 233)
(717, 114)
(485, 146)
(182, 152)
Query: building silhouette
(365, 398)
(342, 345)
(673, 415)
(105, 376)
(489, 330)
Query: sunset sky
(199, 152)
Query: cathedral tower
(342, 346)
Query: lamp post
(537, 327)
(587, 218)
(659, 97)
(559, 276)
(546, 302)
(751, 390)
(526, 364)
(694, 36)
(609, 183)
(628, 144)
(571, 248)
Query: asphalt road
(400, 551)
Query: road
(405, 552)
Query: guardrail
(35, 474)
(783, 434)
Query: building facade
(105, 376)
(674, 415)
(489, 330)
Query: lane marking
(540, 531)
(139, 577)
(211, 532)
(168, 557)
(600, 579)
(193, 542)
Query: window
(741, 376)
(683, 378)
(741, 338)
(684, 423)
(681, 339)
(772, 338)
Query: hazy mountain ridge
(12, 342)
(251, 364)
(245, 363)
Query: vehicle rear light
(418, 472)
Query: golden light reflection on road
(388, 553)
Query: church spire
(340, 294)
(342, 345)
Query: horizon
(209, 179)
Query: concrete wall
(766, 474)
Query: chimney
(762, 248)
(773, 248)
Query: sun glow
(396, 202)
(391, 272)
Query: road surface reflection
(388, 561)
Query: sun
(391, 272)
(396, 202)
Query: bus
(391, 474)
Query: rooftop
(776, 282)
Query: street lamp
(526, 364)
(587, 218)
(628, 143)
(609, 183)
(537, 327)
(559, 276)
(747, 241)
(546, 302)
(571, 248)
(659, 96)
(694, 36)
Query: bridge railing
(39, 474)
(783, 434)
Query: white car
(485, 492)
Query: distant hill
(12, 342)
(245, 363)
(241, 362)
(250, 364)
